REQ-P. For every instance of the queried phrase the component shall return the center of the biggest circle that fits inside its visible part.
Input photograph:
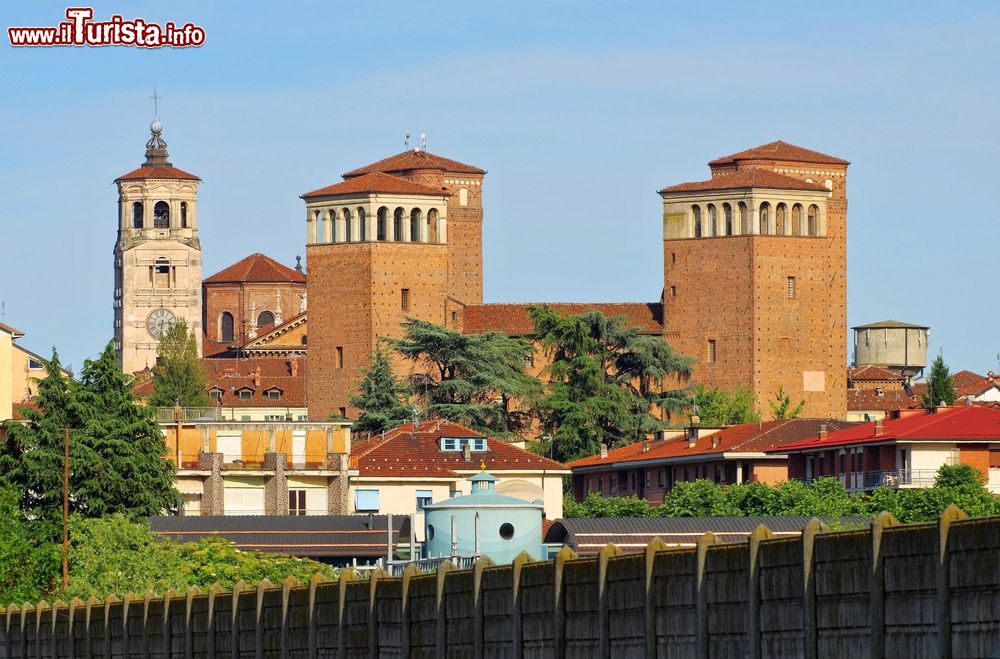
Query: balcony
(188, 414)
(869, 480)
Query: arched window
(797, 220)
(362, 225)
(348, 229)
(397, 224)
(184, 215)
(432, 225)
(334, 235)
(226, 327)
(415, 225)
(161, 215)
(381, 223)
(696, 210)
(727, 212)
(744, 219)
(812, 221)
(765, 217)
(137, 215)
(161, 273)
(780, 223)
(265, 318)
(711, 221)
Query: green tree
(120, 466)
(380, 397)
(27, 567)
(940, 385)
(781, 406)
(699, 498)
(604, 382)
(474, 379)
(750, 499)
(178, 374)
(594, 505)
(31, 460)
(717, 407)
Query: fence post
(234, 632)
(950, 514)
(515, 567)
(89, 609)
(149, 596)
(346, 576)
(481, 563)
(376, 575)
(559, 614)
(701, 595)
(39, 610)
(655, 545)
(409, 572)
(604, 633)
(258, 637)
(314, 581)
(58, 607)
(809, 587)
(128, 604)
(877, 598)
(168, 601)
(441, 628)
(213, 591)
(188, 632)
(753, 590)
(287, 584)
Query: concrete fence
(918, 590)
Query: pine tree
(940, 385)
(380, 397)
(178, 375)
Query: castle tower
(399, 238)
(157, 255)
(755, 283)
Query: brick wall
(976, 455)
(238, 298)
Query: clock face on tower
(160, 322)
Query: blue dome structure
(484, 523)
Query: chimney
(822, 432)
(645, 445)
(878, 427)
(715, 442)
(604, 451)
(467, 452)
(256, 378)
(692, 436)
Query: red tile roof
(156, 171)
(257, 268)
(972, 384)
(413, 160)
(743, 438)
(967, 423)
(868, 400)
(780, 151)
(513, 319)
(747, 178)
(873, 374)
(257, 374)
(401, 452)
(377, 182)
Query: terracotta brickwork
(977, 456)
(246, 302)
(355, 298)
(775, 305)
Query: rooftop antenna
(423, 141)
(406, 142)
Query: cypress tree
(380, 397)
(940, 385)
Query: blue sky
(579, 110)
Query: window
(812, 221)
(381, 223)
(35, 363)
(274, 417)
(797, 220)
(432, 225)
(663, 478)
(397, 225)
(415, 225)
(673, 291)
(711, 231)
(273, 394)
(348, 233)
(343, 412)
(340, 357)
(711, 351)
(226, 326)
(366, 501)
(424, 498)
(790, 288)
(728, 212)
(161, 273)
(454, 316)
(765, 212)
(430, 532)
(137, 215)
(296, 502)
(404, 299)
(245, 394)
(184, 215)
(245, 417)
(744, 218)
(362, 225)
(780, 229)
(696, 210)
(673, 257)
(476, 444)
(215, 395)
(161, 215)
(264, 319)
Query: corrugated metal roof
(344, 536)
(587, 535)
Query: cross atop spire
(156, 97)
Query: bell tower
(157, 255)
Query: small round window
(506, 531)
(430, 531)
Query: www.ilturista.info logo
(81, 30)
